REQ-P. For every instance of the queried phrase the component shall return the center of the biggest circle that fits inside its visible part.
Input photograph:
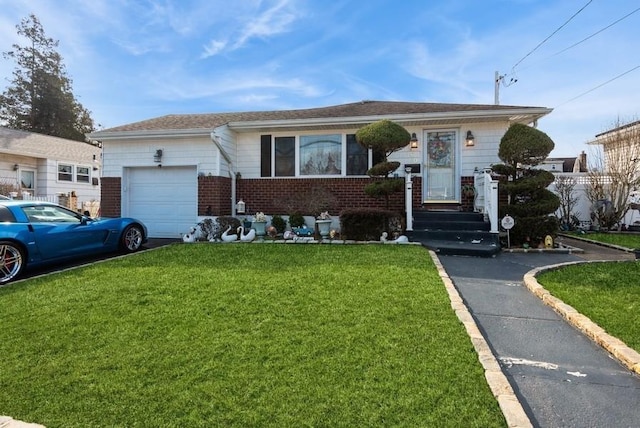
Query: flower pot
(260, 227)
(324, 227)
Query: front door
(440, 177)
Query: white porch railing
(486, 200)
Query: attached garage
(165, 199)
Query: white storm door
(440, 178)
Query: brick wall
(110, 197)
(274, 196)
(278, 196)
(214, 196)
(466, 200)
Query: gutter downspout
(215, 138)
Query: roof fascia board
(358, 120)
(146, 134)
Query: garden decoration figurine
(302, 231)
(260, 224)
(324, 224)
(246, 237)
(226, 237)
(190, 236)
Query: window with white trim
(83, 174)
(65, 172)
(27, 181)
(313, 155)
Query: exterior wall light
(413, 141)
(241, 207)
(157, 157)
(15, 167)
(471, 140)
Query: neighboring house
(49, 167)
(621, 155)
(173, 170)
(576, 164)
(575, 168)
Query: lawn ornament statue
(191, 236)
(250, 236)
(226, 237)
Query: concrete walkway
(561, 377)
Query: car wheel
(11, 261)
(132, 238)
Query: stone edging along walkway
(511, 407)
(617, 348)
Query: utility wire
(583, 40)
(599, 86)
(551, 35)
(596, 33)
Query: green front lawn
(206, 335)
(626, 240)
(607, 293)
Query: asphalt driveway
(561, 377)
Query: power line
(583, 40)
(599, 86)
(551, 35)
(596, 33)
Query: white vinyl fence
(582, 209)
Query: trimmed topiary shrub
(383, 137)
(524, 187)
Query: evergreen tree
(39, 97)
(384, 138)
(529, 201)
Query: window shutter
(357, 157)
(265, 156)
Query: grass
(607, 293)
(242, 335)
(626, 240)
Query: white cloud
(253, 24)
(275, 20)
(213, 48)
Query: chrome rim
(133, 238)
(10, 262)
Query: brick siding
(214, 196)
(110, 197)
(273, 196)
(276, 196)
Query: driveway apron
(561, 377)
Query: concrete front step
(460, 248)
(451, 225)
(457, 233)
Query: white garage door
(164, 199)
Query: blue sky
(132, 60)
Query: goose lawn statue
(229, 238)
(250, 236)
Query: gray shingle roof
(357, 109)
(45, 146)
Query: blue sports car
(36, 233)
